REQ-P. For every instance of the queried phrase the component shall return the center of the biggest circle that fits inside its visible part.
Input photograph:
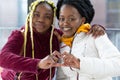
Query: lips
(40, 25)
(66, 29)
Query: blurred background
(13, 14)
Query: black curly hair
(84, 7)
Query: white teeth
(66, 29)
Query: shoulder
(104, 38)
(17, 34)
(58, 33)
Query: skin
(46, 63)
(69, 20)
(69, 28)
(42, 21)
(42, 18)
(69, 60)
(96, 30)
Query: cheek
(33, 20)
(49, 22)
(33, 25)
(60, 25)
(47, 26)
(75, 27)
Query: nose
(41, 19)
(65, 22)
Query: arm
(9, 55)
(96, 30)
(108, 63)
(10, 58)
(18, 63)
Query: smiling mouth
(40, 25)
(66, 29)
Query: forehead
(44, 7)
(68, 10)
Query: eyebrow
(35, 12)
(48, 12)
(68, 16)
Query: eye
(71, 19)
(61, 19)
(36, 15)
(47, 17)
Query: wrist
(39, 65)
(98, 25)
(78, 63)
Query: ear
(83, 20)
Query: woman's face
(69, 20)
(42, 18)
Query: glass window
(12, 16)
(113, 13)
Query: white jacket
(99, 59)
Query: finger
(99, 29)
(95, 34)
(57, 65)
(67, 58)
(98, 33)
(92, 30)
(102, 32)
(51, 60)
(65, 54)
(88, 33)
(55, 58)
(57, 54)
(64, 64)
(67, 62)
